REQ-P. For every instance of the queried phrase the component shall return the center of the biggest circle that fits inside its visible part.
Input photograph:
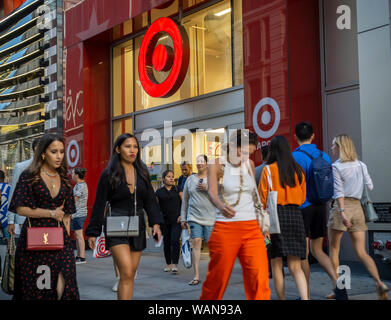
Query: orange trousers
(228, 241)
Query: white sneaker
(115, 287)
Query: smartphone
(200, 181)
(267, 243)
(155, 236)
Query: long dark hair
(279, 150)
(116, 170)
(36, 165)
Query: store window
(122, 126)
(188, 147)
(216, 57)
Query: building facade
(259, 64)
(30, 77)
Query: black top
(122, 199)
(170, 203)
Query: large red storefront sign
(163, 58)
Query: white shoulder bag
(271, 205)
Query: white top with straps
(245, 210)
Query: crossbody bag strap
(269, 178)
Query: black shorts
(315, 221)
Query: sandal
(167, 269)
(174, 270)
(330, 296)
(382, 292)
(194, 282)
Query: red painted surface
(180, 61)
(304, 66)
(11, 5)
(96, 111)
(281, 62)
(92, 17)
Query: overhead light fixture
(221, 13)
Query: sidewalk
(96, 278)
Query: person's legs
(323, 259)
(127, 263)
(358, 241)
(197, 257)
(297, 273)
(60, 286)
(80, 244)
(278, 277)
(305, 265)
(224, 244)
(175, 245)
(335, 237)
(253, 258)
(167, 244)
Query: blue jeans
(199, 231)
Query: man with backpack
(319, 178)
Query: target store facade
(179, 74)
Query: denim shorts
(77, 223)
(6, 235)
(200, 231)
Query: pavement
(96, 279)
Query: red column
(8, 6)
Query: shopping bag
(185, 249)
(7, 283)
(100, 247)
(271, 206)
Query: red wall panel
(281, 68)
(97, 111)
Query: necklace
(53, 185)
(240, 189)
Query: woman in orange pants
(236, 232)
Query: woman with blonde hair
(346, 213)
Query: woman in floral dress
(44, 195)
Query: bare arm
(58, 214)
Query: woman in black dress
(117, 185)
(44, 195)
(170, 206)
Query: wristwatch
(340, 210)
(51, 213)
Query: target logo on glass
(266, 117)
(73, 153)
(157, 58)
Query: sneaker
(80, 260)
(115, 287)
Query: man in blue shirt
(314, 215)
(5, 192)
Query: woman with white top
(236, 232)
(347, 214)
(198, 212)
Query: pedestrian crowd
(265, 216)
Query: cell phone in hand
(200, 181)
(155, 236)
(267, 243)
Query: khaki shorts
(353, 211)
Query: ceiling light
(221, 13)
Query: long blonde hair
(347, 150)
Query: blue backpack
(320, 186)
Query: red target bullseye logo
(163, 58)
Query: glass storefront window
(214, 64)
(122, 126)
(123, 78)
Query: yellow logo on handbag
(45, 238)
